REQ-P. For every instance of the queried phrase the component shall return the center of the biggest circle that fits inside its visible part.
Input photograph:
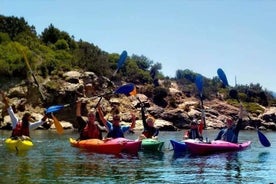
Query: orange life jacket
(91, 132)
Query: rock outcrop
(70, 86)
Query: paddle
(264, 141)
(121, 61)
(57, 124)
(199, 85)
(234, 94)
(222, 77)
(32, 73)
(125, 89)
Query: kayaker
(194, 132)
(148, 123)
(21, 129)
(90, 129)
(231, 132)
(114, 128)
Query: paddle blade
(126, 89)
(57, 124)
(54, 108)
(222, 77)
(121, 61)
(264, 141)
(199, 83)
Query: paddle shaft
(32, 73)
(199, 85)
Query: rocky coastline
(68, 87)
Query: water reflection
(263, 157)
(53, 160)
(177, 155)
(233, 166)
(155, 155)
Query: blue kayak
(178, 146)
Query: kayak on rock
(99, 146)
(203, 148)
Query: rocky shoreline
(68, 87)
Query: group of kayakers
(88, 129)
(92, 128)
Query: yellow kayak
(18, 145)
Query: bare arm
(14, 119)
(133, 118)
(101, 115)
(5, 100)
(78, 109)
(102, 128)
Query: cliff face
(70, 86)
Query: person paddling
(114, 128)
(194, 132)
(90, 129)
(148, 123)
(21, 129)
(231, 132)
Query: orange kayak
(98, 146)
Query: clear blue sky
(238, 36)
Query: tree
(142, 61)
(50, 35)
(4, 37)
(14, 26)
(91, 58)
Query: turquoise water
(53, 160)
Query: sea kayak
(98, 146)
(130, 146)
(203, 148)
(152, 145)
(18, 144)
(178, 146)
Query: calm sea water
(53, 160)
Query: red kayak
(99, 146)
(203, 148)
(130, 146)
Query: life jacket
(91, 132)
(193, 134)
(229, 135)
(115, 132)
(19, 130)
(147, 134)
(150, 131)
